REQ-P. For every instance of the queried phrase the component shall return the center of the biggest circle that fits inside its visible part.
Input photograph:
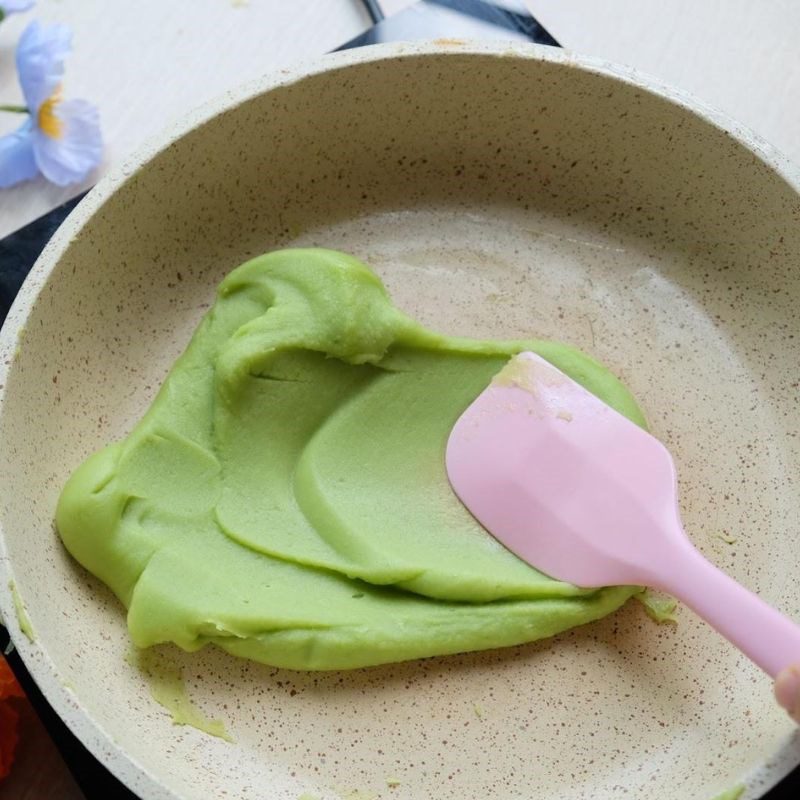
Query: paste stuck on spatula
(285, 496)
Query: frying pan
(500, 191)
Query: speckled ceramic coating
(500, 191)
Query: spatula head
(563, 480)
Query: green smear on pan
(732, 794)
(22, 615)
(659, 607)
(168, 689)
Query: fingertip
(787, 691)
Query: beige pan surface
(499, 191)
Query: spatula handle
(763, 634)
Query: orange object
(8, 717)
(8, 683)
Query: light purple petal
(14, 6)
(40, 61)
(17, 162)
(72, 156)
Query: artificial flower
(60, 138)
(8, 717)
(14, 7)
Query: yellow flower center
(49, 123)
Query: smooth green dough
(285, 495)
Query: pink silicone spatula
(586, 496)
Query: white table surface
(146, 62)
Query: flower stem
(15, 109)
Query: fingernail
(787, 690)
